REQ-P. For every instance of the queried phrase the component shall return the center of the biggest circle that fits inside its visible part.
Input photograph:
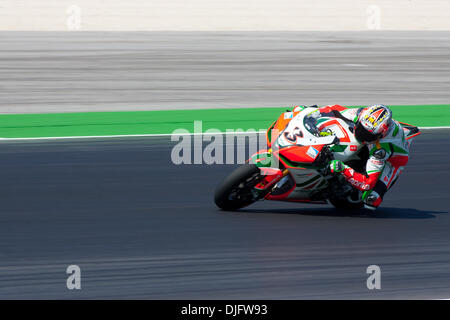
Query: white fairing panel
(347, 141)
(298, 133)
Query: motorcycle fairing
(410, 130)
(300, 159)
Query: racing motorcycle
(297, 170)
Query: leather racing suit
(387, 158)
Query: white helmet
(373, 123)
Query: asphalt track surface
(92, 71)
(141, 227)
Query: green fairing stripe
(338, 148)
(293, 164)
(269, 131)
(289, 163)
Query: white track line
(431, 128)
(155, 135)
(129, 135)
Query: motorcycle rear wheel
(344, 204)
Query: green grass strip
(163, 122)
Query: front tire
(236, 191)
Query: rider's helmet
(373, 123)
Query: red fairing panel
(280, 197)
(398, 161)
(271, 176)
(301, 154)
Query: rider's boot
(372, 200)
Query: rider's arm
(374, 167)
(338, 111)
(330, 109)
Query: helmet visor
(363, 135)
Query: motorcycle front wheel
(236, 191)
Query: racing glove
(336, 166)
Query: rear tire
(235, 191)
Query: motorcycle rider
(388, 150)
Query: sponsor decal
(376, 162)
(312, 152)
(362, 185)
(353, 148)
(288, 115)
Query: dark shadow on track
(381, 213)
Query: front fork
(264, 159)
(271, 177)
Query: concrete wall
(216, 15)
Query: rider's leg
(373, 198)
